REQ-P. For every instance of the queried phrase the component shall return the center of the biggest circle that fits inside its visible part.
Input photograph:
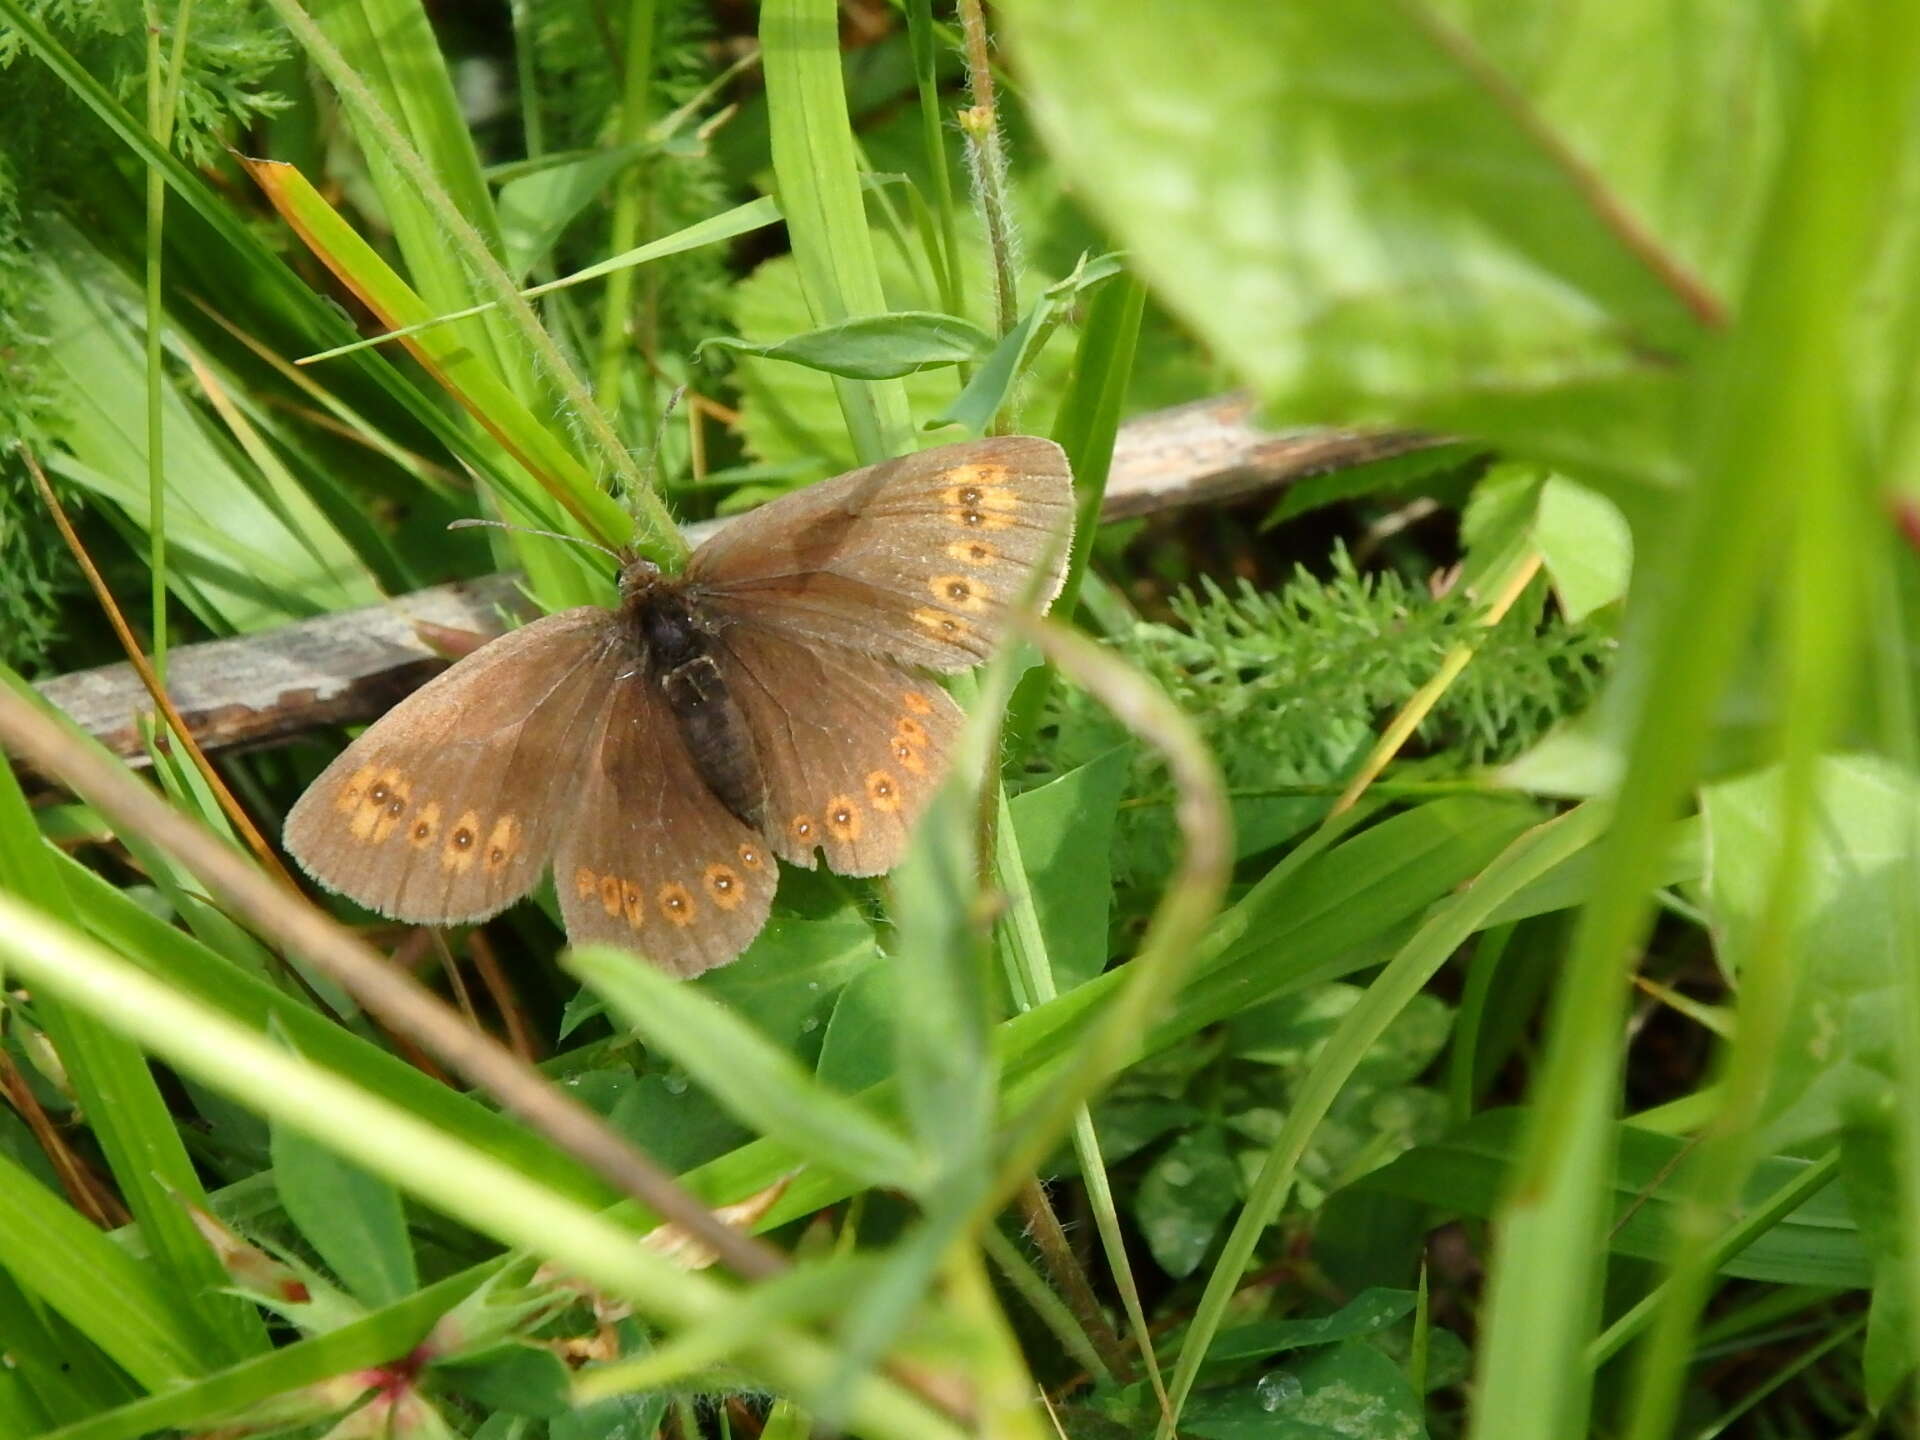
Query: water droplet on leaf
(1278, 1388)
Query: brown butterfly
(767, 702)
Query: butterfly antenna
(470, 524)
(660, 433)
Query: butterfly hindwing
(917, 559)
(851, 746)
(446, 809)
(650, 859)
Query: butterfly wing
(446, 809)
(651, 860)
(851, 746)
(917, 559)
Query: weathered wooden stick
(348, 667)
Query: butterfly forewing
(447, 809)
(650, 859)
(851, 746)
(918, 559)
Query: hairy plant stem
(986, 156)
(1069, 1275)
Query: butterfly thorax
(678, 645)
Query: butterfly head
(638, 576)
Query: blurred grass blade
(1826, 219)
(806, 1293)
(816, 178)
(749, 1075)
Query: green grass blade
(126, 1307)
(818, 186)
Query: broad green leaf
(786, 982)
(1837, 1058)
(789, 415)
(1066, 838)
(246, 555)
(1464, 215)
(1351, 1392)
(1187, 1192)
(858, 1049)
(1496, 528)
(873, 347)
(352, 1219)
(1586, 544)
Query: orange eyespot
(633, 905)
(356, 790)
(943, 626)
(971, 552)
(723, 887)
(801, 828)
(458, 853)
(750, 857)
(961, 592)
(610, 896)
(585, 883)
(676, 903)
(502, 841)
(916, 702)
(883, 793)
(843, 819)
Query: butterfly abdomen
(679, 651)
